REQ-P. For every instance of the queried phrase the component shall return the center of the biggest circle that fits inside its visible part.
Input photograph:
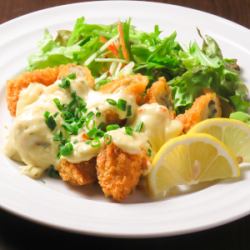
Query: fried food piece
(14, 87)
(111, 117)
(132, 85)
(160, 93)
(204, 107)
(46, 77)
(78, 173)
(118, 172)
(65, 70)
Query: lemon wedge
(234, 134)
(190, 159)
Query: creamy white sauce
(31, 141)
(82, 150)
(157, 124)
(97, 100)
(132, 144)
(28, 96)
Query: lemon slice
(234, 134)
(190, 159)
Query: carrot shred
(122, 41)
(103, 39)
(85, 137)
(112, 47)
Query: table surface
(16, 233)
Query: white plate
(85, 210)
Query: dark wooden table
(17, 233)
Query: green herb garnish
(95, 133)
(121, 104)
(66, 149)
(58, 103)
(129, 131)
(112, 127)
(72, 76)
(98, 114)
(111, 102)
(129, 110)
(49, 120)
(58, 136)
(139, 126)
(72, 128)
(149, 152)
(95, 143)
(107, 139)
(65, 83)
(52, 172)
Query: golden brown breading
(204, 107)
(112, 117)
(44, 76)
(65, 70)
(78, 173)
(133, 84)
(160, 93)
(118, 172)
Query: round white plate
(84, 210)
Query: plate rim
(109, 234)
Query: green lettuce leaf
(160, 57)
(206, 68)
(189, 71)
(241, 116)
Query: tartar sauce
(31, 141)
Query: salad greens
(241, 116)
(119, 49)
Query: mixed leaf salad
(119, 48)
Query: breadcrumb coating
(132, 85)
(160, 93)
(118, 172)
(65, 70)
(14, 87)
(111, 117)
(204, 107)
(78, 173)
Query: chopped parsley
(112, 102)
(122, 104)
(98, 114)
(75, 116)
(65, 83)
(58, 104)
(58, 136)
(149, 152)
(129, 131)
(66, 149)
(72, 76)
(107, 139)
(96, 143)
(49, 120)
(52, 172)
(101, 126)
(139, 126)
(112, 127)
(129, 110)
(95, 133)
(71, 128)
